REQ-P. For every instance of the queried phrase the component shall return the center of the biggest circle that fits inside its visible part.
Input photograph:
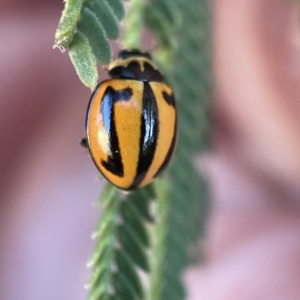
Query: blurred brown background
(47, 182)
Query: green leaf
(121, 248)
(100, 275)
(67, 23)
(98, 20)
(158, 237)
(155, 21)
(170, 12)
(133, 24)
(106, 16)
(133, 248)
(180, 224)
(116, 297)
(134, 234)
(90, 26)
(132, 219)
(104, 254)
(117, 7)
(125, 267)
(102, 263)
(140, 200)
(148, 192)
(83, 59)
(108, 193)
(123, 287)
(106, 241)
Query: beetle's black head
(123, 54)
(134, 64)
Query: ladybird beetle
(131, 122)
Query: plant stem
(133, 25)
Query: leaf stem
(133, 25)
(158, 237)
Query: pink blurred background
(48, 183)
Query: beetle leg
(83, 143)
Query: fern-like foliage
(123, 251)
(85, 28)
(183, 32)
(122, 243)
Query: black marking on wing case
(114, 163)
(169, 98)
(149, 134)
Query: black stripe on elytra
(107, 109)
(149, 134)
(169, 98)
(170, 151)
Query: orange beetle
(131, 122)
